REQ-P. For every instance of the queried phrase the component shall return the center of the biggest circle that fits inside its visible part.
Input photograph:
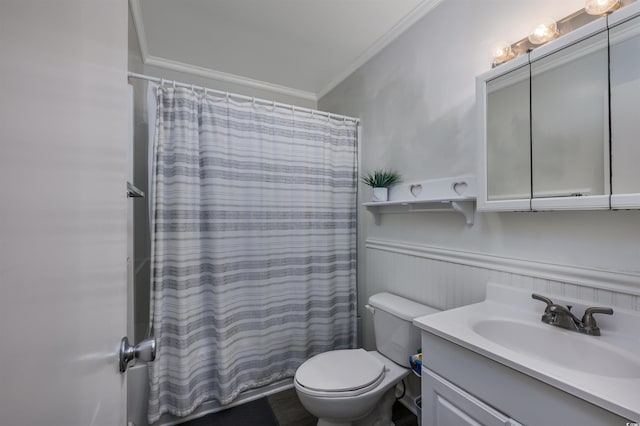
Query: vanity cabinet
(445, 404)
(548, 143)
(461, 387)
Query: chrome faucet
(561, 316)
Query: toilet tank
(396, 336)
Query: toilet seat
(340, 373)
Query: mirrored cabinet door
(625, 114)
(507, 126)
(570, 126)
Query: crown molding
(172, 65)
(411, 18)
(136, 12)
(169, 64)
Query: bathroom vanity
(496, 363)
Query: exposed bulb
(601, 7)
(502, 53)
(546, 31)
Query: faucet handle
(547, 317)
(589, 322)
(542, 299)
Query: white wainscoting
(446, 278)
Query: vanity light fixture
(549, 29)
(601, 7)
(502, 53)
(546, 31)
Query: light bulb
(502, 53)
(601, 7)
(546, 31)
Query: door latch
(144, 351)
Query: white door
(63, 132)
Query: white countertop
(614, 390)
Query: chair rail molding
(615, 281)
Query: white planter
(380, 194)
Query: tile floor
(281, 409)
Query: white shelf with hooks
(447, 194)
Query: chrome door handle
(144, 351)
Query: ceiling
(302, 48)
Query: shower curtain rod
(245, 98)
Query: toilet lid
(340, 371)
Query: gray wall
(416, 100)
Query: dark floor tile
(289, 411)
(402, 416)
(254, 413)
(281, 409)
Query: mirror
(508, 151)
(570, 124)
(625, 93)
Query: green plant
(381, 178)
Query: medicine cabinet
(560, 125)
(624, 40)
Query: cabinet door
(508, 156)
(625, 114)
(444, 404)
(570, 127)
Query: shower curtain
(253, 245)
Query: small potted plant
(380, 180)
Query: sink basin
(561, 347)
(506, 328)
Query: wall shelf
(456, 194)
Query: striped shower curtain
(253, 246)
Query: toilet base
(379, 416)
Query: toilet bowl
(354, 387)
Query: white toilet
(356, 387)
